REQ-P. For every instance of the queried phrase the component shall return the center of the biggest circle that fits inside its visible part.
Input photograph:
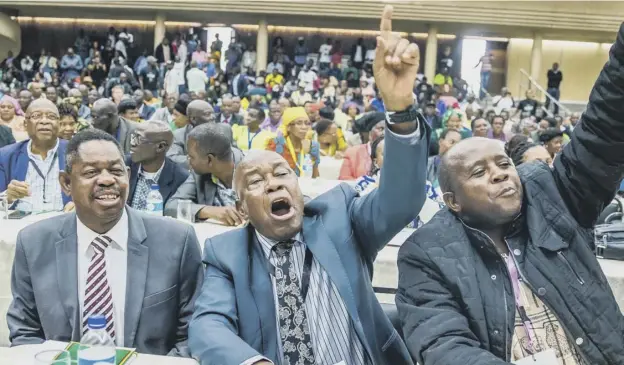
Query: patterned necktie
(144, 186)
(294, 329)
(98, 295)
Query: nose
(106, 179)
(273, 185)
(499, 175)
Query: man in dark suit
(138, 270)
(312, 263)
(227, 114)
(6, 136)
(29, 170)
(105, 117)
(148, 164)
(198, 113)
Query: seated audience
(127, 109)
(273, 122)
(29, 169)
(330, 138)
(452, 119)
(517, 279)
(180, 119)
(294, 143)
(527, 152)
(12, 116)
(68, 124)
(148, 164)
(480, 127)
(357, 160)
(209, 186)
(142, 272)
(552, 140)
(496, 132)
(250, 136)
(198, 112)
(227, 114)
(165, 114)
(145, 110)
(6, 136)
(105, 117)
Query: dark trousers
(555, 93)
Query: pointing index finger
(386, 22)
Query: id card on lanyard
(33, 163)
(250, 138)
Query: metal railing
(533, 82)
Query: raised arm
(378, 216)
(590, 168)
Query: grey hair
(213, 139)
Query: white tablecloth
(24, 355)
(329, 168)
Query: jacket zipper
(567, 263)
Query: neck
(275, 122)
(113, 127)
(98, 226)
(153, 165)
(226, 177)
(325, 145)
(42, 148)
(296, 142)
(253, 127)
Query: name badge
(548, 357)
(341, 363)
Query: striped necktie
(98, 297)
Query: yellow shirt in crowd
(246, 140)
(273, 80)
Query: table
(24, 355)
(329, 168)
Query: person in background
(29, 169)
(526, 151)
(149, 165)
(248, 63)
(71, 64)
(74, 97)
(12, 116)
(27, 64)
(504, 101)
(554, 83)
(275, 65)
(100, 260)
(25, 98)
(324, 58)
(452, 119)
(52, 95)
(6, 136)
(356, 162)
(165, 113)
(48, 65)
(227, 114)
(128, 109)
(197, 79)
(149, 77)
(448, 139)
(273, 122)
(480, 128)
(301, 52)
(432, 117)
(36, 88)
(496, 132)
(152, 101)
(180, 118)
(145, 111)
(336, 58)
(293, 143)
(528, 107)
(330, 138)
(105, 118)
(301, 96)
(251, 136)
(442, 78)
(486, 70)
(197, 113)
(209, 186)
(68, 122)
(274, 78)
(552, 140)
(308, 77)
(358, 54)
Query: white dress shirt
(116, 255)
(52, 200)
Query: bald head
(200, 112)
(157, 131)
(41, 104)
(151, 143)
(251, 159)
(104, 114)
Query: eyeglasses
(38, 116)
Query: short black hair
(550, 134)
(552, 122)
(322, 126)
(447, 131)
(87, 135)
(367, 121)
(213, 139)
(517, 153)
(327, 112)
(125, 105)
(66, 109)
(261, 113)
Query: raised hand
(395, 66)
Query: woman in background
(330, 138)
(480, 128)
(12, 116)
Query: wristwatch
(408, 115)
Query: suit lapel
(165, 180)
(21, 166)
(138, 258)
(134, 179)
(67, 274)
(324, 251)
(123, 131)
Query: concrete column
(262, 46)
(536, 57)
(431, 54)
(159, 29)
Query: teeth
(107, 197)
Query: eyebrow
(109, 162)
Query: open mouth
(281, 209)
(108, 198)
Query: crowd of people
(518, 193)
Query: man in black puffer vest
(507, 270)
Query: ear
(451, 202)
(65, 182)
(162, 147)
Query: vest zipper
(567, 263)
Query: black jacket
(455, 298)
(6, 136)
(171, 177)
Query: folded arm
(435, 330)
(22, 316)
(213, 333)
(191, 279)
(590, 168)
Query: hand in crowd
(17, 190)
(395, 66)
(227, 215)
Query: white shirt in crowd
(358, 57)
(183, 51)
(324, 51)
(370, 56)
(166, 52)
(197, 79)
(273, 65)
(52, 200)
(308, 77)
(172, 79)
(116, 256)
(502, 102)
(249, 60)
(121, 47)
(27, 63)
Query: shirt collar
(51, 153)
(119, 234)
(267, 243)
(156, 174)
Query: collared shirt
(268, 126)
(143, 186)
(334, 338)
(246, 140)
(225, 197)
(116, 255)
(49, 183)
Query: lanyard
(516, 280)
(299, 161)
(305, 275)
(38, 171)
(250, 138)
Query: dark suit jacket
(163, 273)
(14, 163)
(234, 318)
(234, 119)
(170, 179)
(6, 136)
(126, 128)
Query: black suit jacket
(234, 119)
(6, 136)
(170, 179)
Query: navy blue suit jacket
(170, 179)
(14, 163)
(234, 318)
